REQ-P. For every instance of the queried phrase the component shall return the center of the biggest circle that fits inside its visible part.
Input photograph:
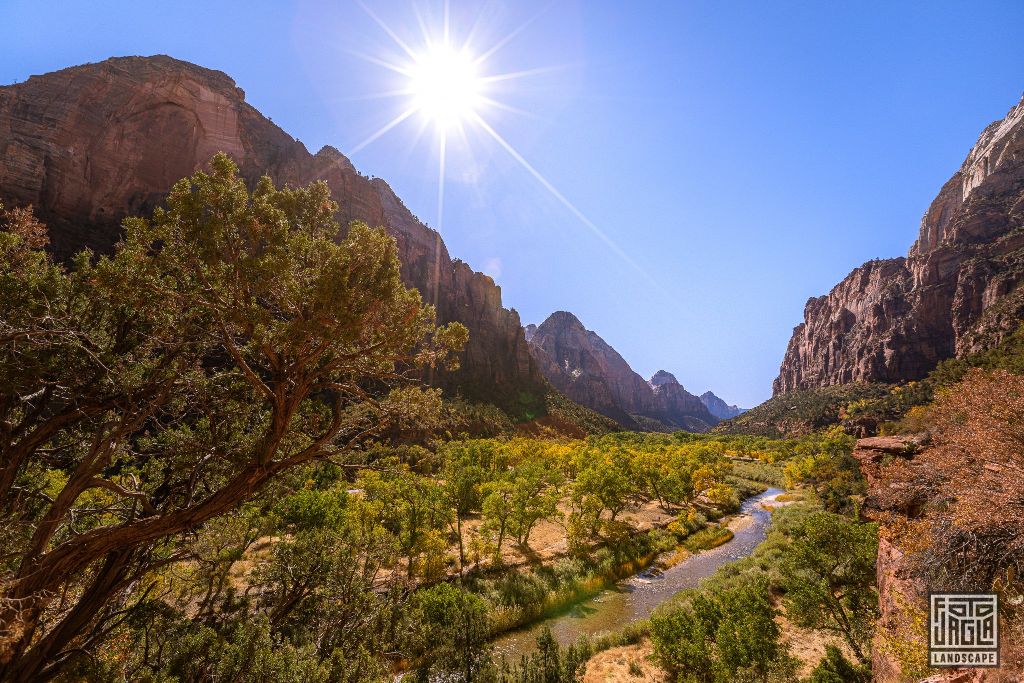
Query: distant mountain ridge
(719, 408)
(583, 366)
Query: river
(636, 597)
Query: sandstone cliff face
(674, 405)
(91, 144)
(958, 290)
(719, 408)
(585, 368)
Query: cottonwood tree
(228, 339)
(412, 507)
(829, 577)
(535, 497)
(463, 475)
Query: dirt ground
(615, 665)
(808, 645)
(548, 538)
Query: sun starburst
(445, 86)
(448, 87)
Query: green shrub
(835, 668)
(720, 637)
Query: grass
(708, 538)
(790, 497)
(761, 472)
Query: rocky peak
(719, 408)
(582, 365)
(563, 322)
(662, 377)
(959, 290)
(92, 144)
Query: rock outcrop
(580, 364)
(908, 495)
(957, 291)
(92, 144)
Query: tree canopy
(231, 337)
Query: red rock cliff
(958, 290)
(584, 367)
(91, 144)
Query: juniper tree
(230, 338)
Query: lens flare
(450, 88)
(445, 85)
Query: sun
(445, 85)
(454, 89)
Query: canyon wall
(92, 144)
(583, 366)
(957, 291)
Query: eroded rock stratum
(957, 291)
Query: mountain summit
(958, 291)
(584, 367)
(719, 408)
(662, 377)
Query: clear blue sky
(744, 156)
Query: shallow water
(636, 597)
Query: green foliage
(801, 412)
(550, 663)
(830, 470)
(835, 668)
(465, 419)
(228, 340)
(310, 508)
(721, 637)
(760, 472)
(823, 566)
(226, 389)
(454, 630)
(571, 418)
(414, 509)
(828, 574)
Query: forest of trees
(217, 462)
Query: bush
(720, 637)
(455, 628)
(835, 668)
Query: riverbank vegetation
(812, 578)
(218, 462)
(815, 570)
